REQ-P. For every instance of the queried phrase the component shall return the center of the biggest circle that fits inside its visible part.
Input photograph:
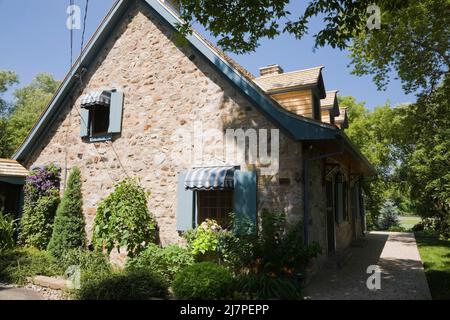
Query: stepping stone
(48, 282)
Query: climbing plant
(40, 203)
(123, 220)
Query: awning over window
(211, 178)
(96, 98)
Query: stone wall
(167, 87)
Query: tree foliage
(123, 219)
(68, 229)
(413, 41)
(7, 79)
(239, 25)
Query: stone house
(197, 129)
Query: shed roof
(11, 168)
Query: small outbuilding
(12, 179)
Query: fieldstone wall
(167, 88)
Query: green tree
(239, 25)
(30, 102)
(68, 228)
(7, 79)
(422, 144)
(413, 41)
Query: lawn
(408, 222)
(435, 256)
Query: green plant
(203, 241)
(68, 229)
(263, 286)
(40, 204)
(204, 280)
(7, 228)
(165, 262)
(123, 219)
(388, 216)
(18, 264)
(87, 260)
(122, 285)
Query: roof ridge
(289, 72)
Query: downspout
(306, 190)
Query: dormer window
(101, 115)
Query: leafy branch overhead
(239, 25)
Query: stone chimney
(270, 70)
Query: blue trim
(101, 138)
(89, 54)
(298, 128)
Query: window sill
(100, 138)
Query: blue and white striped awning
(212, 178)
(96, 98)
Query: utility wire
(84, 25)
(71, 32)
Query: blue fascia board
(297, 128)
(88, 55)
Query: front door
(330, 218)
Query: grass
(435, 254)
(407, 222)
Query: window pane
(215, 205)
(99, 120)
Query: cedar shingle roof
(290, 80)
(12, 168)
(330, 102)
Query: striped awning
(96, 98)
(211, 178)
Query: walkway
(402, 275)
(18, 294)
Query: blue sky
(34, 39)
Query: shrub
(204, 280)
(7, 228)
(88, 261)
(40, 203)
(16, 265)
(68, 229)
(122, 285)
(388, 216)
(264, 286)
(165, 262)
(123, 219)
(203, 241)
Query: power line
(84, 25)
(71, 32)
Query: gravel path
(402, 275)
(29, 292)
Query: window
(216, 205)
(99, 117)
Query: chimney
(270, 70)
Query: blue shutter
(185, 205)
(115, 112)
(245, 207)
(84, 122)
